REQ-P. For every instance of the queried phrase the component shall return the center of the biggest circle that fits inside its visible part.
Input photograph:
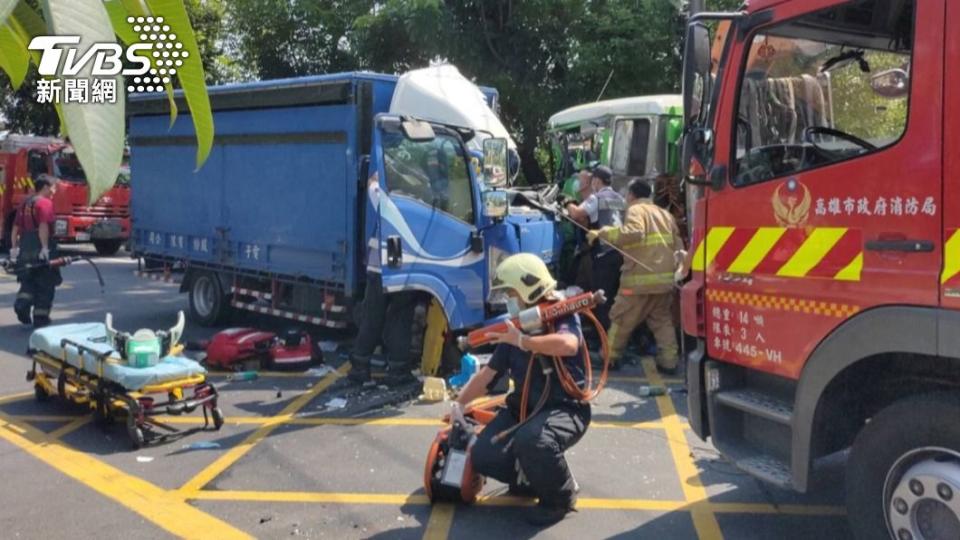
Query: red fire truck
(23, 159)
(823, 307)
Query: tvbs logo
(149, 63)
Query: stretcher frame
(86, 385)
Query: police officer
(33, 243)
(650, 235)
(603, 208)
(376, 310)
(530, 459)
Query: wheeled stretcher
(85, 364)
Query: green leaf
(96, 130)
(191, 74)
(14, 58)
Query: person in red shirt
(33, 242)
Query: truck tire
(107, 248)
(208, 303)
(903, 473)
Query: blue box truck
(278, 220)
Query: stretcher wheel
(40, 393)
(217, 415)
(136, 437)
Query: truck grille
(101, 211)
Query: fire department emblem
(791, 204)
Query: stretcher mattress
(94, 336)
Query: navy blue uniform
(538, 446)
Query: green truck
(634, 136)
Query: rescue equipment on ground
(448, 474)
(115, 374)
(234, 346)
(12, 267)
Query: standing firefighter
(650, 235)
(376, 310)
(33, 242)
(528, 438)
(603, 208)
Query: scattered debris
(321, 371)
(244, 376)
(279, 392)
(434, 389)
(328, 346)
(648, 391)
(336, 403)
(201, 445)
(144, 459)
(266, 519)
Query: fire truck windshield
(808, 94)
(67, 167)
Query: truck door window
(434, 172)
(67, 167)
(809, 94)
(630, 139)
(36, 164)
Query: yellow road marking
(234, 454)
(310, 497)
(69, 428)
(441, 519)
(693, 490)
(591, 503)
(42, 418)
(812, 251)
(15, 397)
(160, 507)
(756, 249)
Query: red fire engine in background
(826, 318)
(23, 159)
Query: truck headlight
(60, 227)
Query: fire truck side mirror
(696, 72)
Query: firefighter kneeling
(524, 445)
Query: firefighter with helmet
(33, 244)
(650, 236)
(529, 458)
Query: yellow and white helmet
(526, 274)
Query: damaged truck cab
(282, 217)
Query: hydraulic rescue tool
(12, 267)
(448, 474)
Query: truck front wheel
(208, 304)
(903, 473)
(107, 248)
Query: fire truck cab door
(833, 202)
(950, 276)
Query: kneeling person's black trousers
(538, 447)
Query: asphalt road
(285, 465)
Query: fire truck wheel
(903, 473)
(107, 248)
(208, 304)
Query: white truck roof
(441, 94)
(668, 104)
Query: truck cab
(821, 311)
(634, 136)
(106, 223)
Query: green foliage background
(542, 55)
